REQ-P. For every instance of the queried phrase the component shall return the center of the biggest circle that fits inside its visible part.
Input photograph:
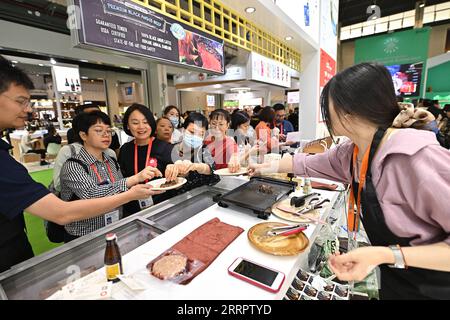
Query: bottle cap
(111, 237)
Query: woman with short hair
(92, 173)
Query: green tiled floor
(35, 225)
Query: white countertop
(214, 283)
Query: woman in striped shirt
(94, 174)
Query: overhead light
(41, 65)
(288, 38)
(14, 61)
(52, 61)
(373, 6)
(250, 10)
(240, 89)
(422, 5)
(217, 86)
(37, 13)
(82, 60)
(125, 67)
(85, 78)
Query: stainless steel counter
(39, 277)
(43, 275)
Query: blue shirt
(17, 192)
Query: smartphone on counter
(256, 274)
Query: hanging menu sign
(262, 69)
(127, 27)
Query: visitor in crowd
(192, 159)
(29, 145)
(266, 141)
(71, 138)
(240, 125)
(143, 152)
(74, 146)
(94, 174)
(51, 137)
(173, 114)
(222, 147)
(281, 123)
(19, 192)
(164, 129)
(399, 182)
(255, 116)
(294, 118)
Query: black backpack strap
(81, 163)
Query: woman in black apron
(396, 283)
(360, 103)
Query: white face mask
(192, 140)
(175, 121)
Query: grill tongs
(287, 230)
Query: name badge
(146, 203)
(112, 217)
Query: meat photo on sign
(198, 51)
(188, 50)
(211, 58)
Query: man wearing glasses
(19, 192)
(281, 123)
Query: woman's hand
(148, 173)
(255, 169)
(184, 166)
(142, 192)
(357, 264)
(234, 164)
(171, 173)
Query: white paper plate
(156, 184)
(226, 172)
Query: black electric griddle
(249, 196)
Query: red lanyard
(353, 216)
(111, 176)
(149, 150)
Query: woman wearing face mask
(399, 182)
(92, 173)
(144, 151)
(164, 129)
(173, 114)
(192, 159)
(223, 148)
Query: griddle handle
(222, 205)
(263, 214)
